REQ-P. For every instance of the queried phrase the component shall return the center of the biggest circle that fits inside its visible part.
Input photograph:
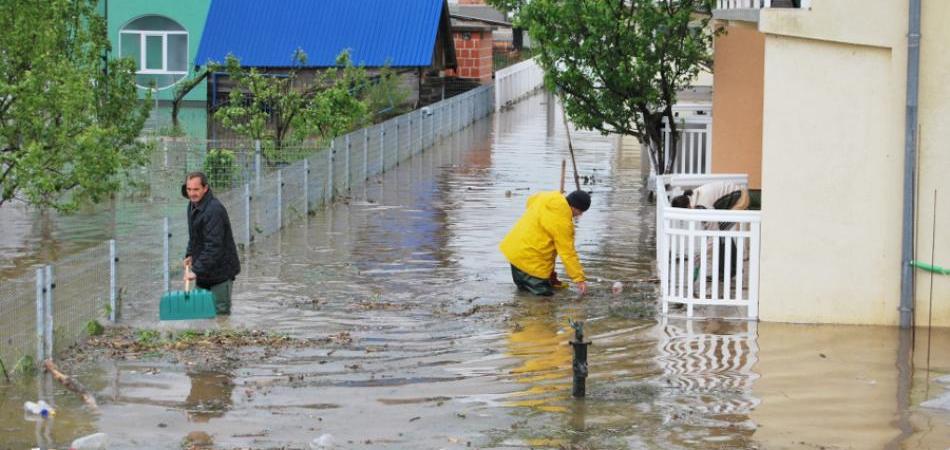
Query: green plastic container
(187, 305)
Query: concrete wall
(832, 158)
(191, 15)
(934, 160)
(737, 102)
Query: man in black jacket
(211, 259)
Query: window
(159, 47)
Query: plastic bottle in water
(92, 442)
(40, 408)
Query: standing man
(545, 231)
(211, 259)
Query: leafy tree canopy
(68, 121)
(278, 108)
(618, 64)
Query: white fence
(516, 82)
(754, 4)
(706, 257)
(693, 144)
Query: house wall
(474, 55)
(934, 113)
(737, 102)
(832, 160)
(190, 14)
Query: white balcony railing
(759, 4)
(694, 142)
(696, 249)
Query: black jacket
(214, 257)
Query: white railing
(693, 144)
(706, 257)
(516, 82)
(754, 4)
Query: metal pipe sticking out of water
(580, 360)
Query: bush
(219, 167)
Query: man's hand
(187, 262)
(189, 275)
(582, 287)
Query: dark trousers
(534, 285)
(222, 296)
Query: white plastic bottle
(98, 441)
(40, 408)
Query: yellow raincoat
(544, 231)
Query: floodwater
(446, 353)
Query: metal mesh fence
(262, 189)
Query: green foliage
(147, 337)
(281, 108)
(386, 95)
(94, 328)
(219, 167)
(618, 64)
(25, 366)
(67, 122)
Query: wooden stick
(70, 383)
(563, 171)
(4, 369)
(570, 146)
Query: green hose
(930, 268)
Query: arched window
(159, 47)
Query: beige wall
(934, 159)
(832, 168)
(737, 102)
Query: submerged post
(113, 259)
(580, 360)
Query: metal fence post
(247, 213)
(409, 129)
(346, 140)
(112, 277)
(257, 162)
(280, 199)
(422, 132)
(382, 148)
(329, 191)
(306, 186)
(397, 141)
(365, 154)
(165, 237)
(50, 285)
(40, 314)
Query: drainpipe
(910, 165)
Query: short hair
(681, 201)
(199, 175)
(579, 199)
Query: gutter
(910, 165)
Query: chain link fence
(263, 190)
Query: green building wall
(190, 14)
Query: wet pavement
(446, 354)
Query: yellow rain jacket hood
(544, 231)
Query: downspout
(910, 165)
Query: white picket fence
(693, 146)
(695, 254)
(753, 4)
(516, 82)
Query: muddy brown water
(446, 354)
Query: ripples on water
(447, 354)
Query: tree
(67, 122)
(280, 107)
(618, 64)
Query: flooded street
(445, 353)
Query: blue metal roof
(266, 33)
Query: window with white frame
(159, 47)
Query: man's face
(195, 190)
(576, 212)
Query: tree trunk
(182, 91)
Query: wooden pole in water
(563, 172)
(570, 146)
(4, 370)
